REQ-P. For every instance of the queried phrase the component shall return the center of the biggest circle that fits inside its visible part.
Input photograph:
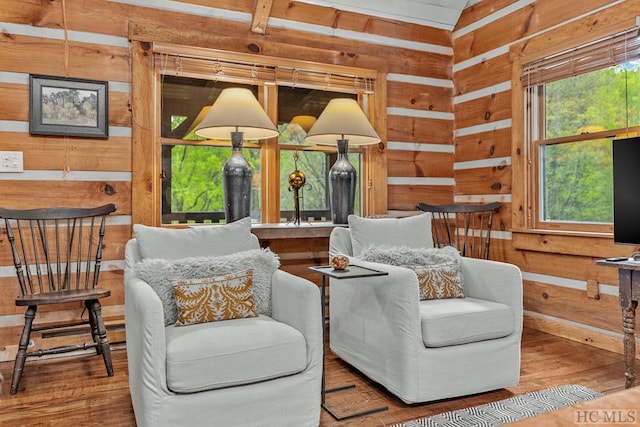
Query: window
(192, 172)
(576, 103)
(297, 110)
(191, 180)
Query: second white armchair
(424, 350)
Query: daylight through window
(192, 167)
(576, 103)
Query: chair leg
(21, 356)
(94, 326)
(100, 334)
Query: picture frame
(68, 106)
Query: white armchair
(258, 371)
(431, 349)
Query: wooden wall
(448, 126)
(565, 292)
(90, 39)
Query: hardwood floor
(75, 391)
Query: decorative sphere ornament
(339, 262)
(297, 179)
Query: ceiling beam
(261, 16)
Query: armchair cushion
(413, 231)
(167, 243)
(242, 351)
(159, 273)
(213, 299)
(447, 322)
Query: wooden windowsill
(593, 245)
(314, 229)
(565, 233)
(292, 231)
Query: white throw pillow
(159, 273)
(413, 232)
(215, 240)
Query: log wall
(565, 293)
(448, 127)
(91, 39)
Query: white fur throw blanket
(403, 255)
(159, 273)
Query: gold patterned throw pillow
(213, 299)
(438, 281)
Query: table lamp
(342, 123)
(236, 115)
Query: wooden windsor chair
(57, 254)
(466, 227)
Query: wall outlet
(11, 161)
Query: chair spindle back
(56, 249)
(464, 226)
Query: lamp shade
(190, 133)
(342, 118)
(305, 122)
(236, 110)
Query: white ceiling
(442, 14)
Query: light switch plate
(11, 161)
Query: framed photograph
(68, 107)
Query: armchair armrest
(296, 302)
(145, 334)
(493, 281)
(383, 306)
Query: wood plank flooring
(75, 391)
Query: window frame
(146, 179)
(527, 143)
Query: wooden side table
(351, 272)
(629, 290)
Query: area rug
(509, 410)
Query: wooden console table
(629, 290)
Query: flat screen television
(626, 191)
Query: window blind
(616, 49)
(247, 69)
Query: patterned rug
(509, 410)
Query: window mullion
(271, 163)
